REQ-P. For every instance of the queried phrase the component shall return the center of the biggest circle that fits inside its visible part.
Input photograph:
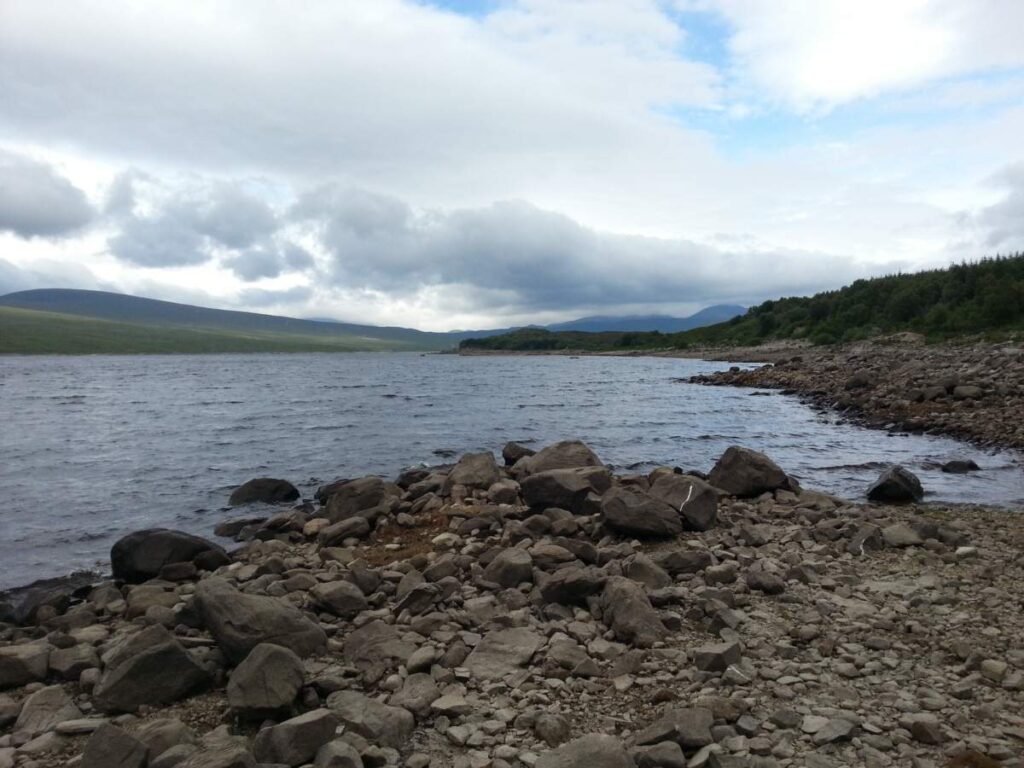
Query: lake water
(94, 447)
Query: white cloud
(36, 201)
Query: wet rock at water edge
(896, 485)
(142, 555)
(267, 490)
(745, 473)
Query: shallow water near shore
(95, 447)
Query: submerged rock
(268, 490)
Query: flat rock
(503, 651)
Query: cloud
(1001, 225)
(262, 297)
(45, 274)
(36, 201)
(269, 261)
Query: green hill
(27, 331)
(984, 297)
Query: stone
(836, 729)
(901, 535)
(374, 648)
(351, 497)
(666, 754)
(591, 751)
(267, 490)
(567, 454)
(689, 727)
(716, 657)
(765, 581)
(21, 664)
(474, 471)
(239, 622)
(896, 485)
(160, 673)
(634, 513)
(968, 392)
(746, 473)
(679, 561)
(335, 534)
(295, 741)
(552, 729)
(572, 585)
(341, 598)
(221, 756)
(927, 730)
(642, 569)
(418, 695)
(960, 466)
(503, 651)
(379, 723)
(627, 611)
(163, 734)
(43, 710)
(564, 488)
(267, 680)
(112, 747)
(510, 568)
(141, 555)
(69, 663)
(695, 501)
(338, 754)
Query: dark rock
(510, 568)
(267, 490)
(111, 747)
(717, 657)
(295, 741)
(694, 500)
(765, 581)
(161, 673)
(627, 611)
(341, 598)
(859, 380)
(377, 722)
(563, 455)
(503, 651)
(268, 680)
(744, 473)
(474, 471)
(230, 529)
(376, 647)
(349, 528)
(25, 663)
(634, 513)
(513, 452)
(349, 498)
(896, 485)
(338, 754)
(960, 466)
(573, 585)
(564, 488)
(689, 727)
(678, 561)
(239, 622)
(141, 555)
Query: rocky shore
(972, 392)
(542, 613)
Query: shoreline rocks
(544, 614)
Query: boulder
(163, 734)
(21, 664)
(476, 471)
(968, 392)
(960, 466)
(349, 498)
(112, 747)
(633, 513)
(513, 452)
(350, 528)
(70, 663)
(677, 561)
(341, 598)
(689, 727)
(694, 500)
(267, 490)
(896, 485)
(161, 673)
(745, 473)
(418, 692)
(572, 585)
(376, 647)
(239, 622)
(268, 680)
(141, 555)
(377, 722)
(563, 455)
(564, 488)
(503, 651)
(901, 535)
(643, 569)
(510, 568)
(43, 710)
(338, 754)
(595, 750)
(295, 741)
(627, 611)
(716, 657)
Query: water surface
(94, 447)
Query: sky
(487, 163)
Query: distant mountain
(717, 313)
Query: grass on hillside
(30, 332)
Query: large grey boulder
(627, 611)
(745, 473)
(564, 488)
(476, 471)
(595, 750)
(563, 455)
(239, 622)
(161, 672)
(295, 741)
(351, 497)
(694, 500)
(689, 727)
(512, 452)
(377, 722)
(502, 651)
(267, 680)
(510, 568)
(25, 663)
(141, 555)
(418, 692)
(374, 648)
(572, 585)
(268, 490)
(632, 512)
(112, 747)
(896, 485)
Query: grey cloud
(269, 260)
(260, 297)
(188, 228)
(45, 274)
(36, 201)
(540, 260)
(1002, 224)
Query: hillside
(984, 297)
(27, 331)
(139, 311)
(717, 313)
